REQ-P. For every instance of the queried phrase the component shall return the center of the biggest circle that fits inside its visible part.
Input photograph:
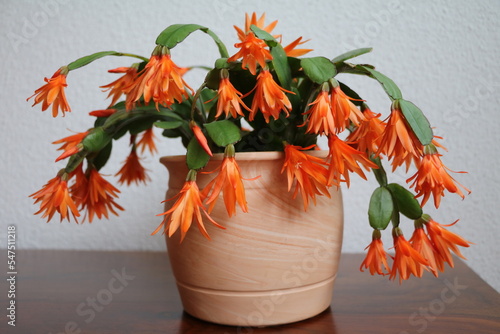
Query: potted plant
(250, 132)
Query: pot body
(275, 264)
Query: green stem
(379, 172)
(74, 161)
(395, 219)
(222, 48)
(122, 118)
(194, 101)
(83, 61)
(133, 56)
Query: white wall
(441, 54)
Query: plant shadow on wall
(265, 97)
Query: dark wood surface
(134, 292)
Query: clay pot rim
(245, 156)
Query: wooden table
(134, 292)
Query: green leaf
(318, 69)
(102, 157)
(264, 35)
(223, 132)
(380, 209)
(139, 124)
(379, 172)
(405, 201)
(207, 96)
(120, 133)
(176, 33)
(90, 58)
(280, 59)
(351, 54)
(221, 63)
(222, 48)
(96, 140)
(389, 86)
(417, 121)
(280, 65)
(168, 125)
(344, 67)
(182, 110)
(168, 114)
(212, 79)
(196, 157)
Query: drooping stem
(379, 172)
(83, 61)
(194, 101)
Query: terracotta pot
(275, 264)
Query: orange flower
(80, 184)
(184, 70)
(344, 159)
(398, 141)
(320, 119)
(291, 51)
(55, 197)
(444, 240)
(229, 182)
(249, 21)
(407, 261)
(52, 93)
(102, 112)
(331, 112)
(308, 172)
(200, 138)
(376, 256)
(160, 80)
(187, 207)
(71, 144)
(120, 85)
(269, 97)
(147, 141)
(95, 195)
(343, 109)
(229, 100)
(366, 137)
(432, 178)
(253, 50)
(423, 245)
(132, 170)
